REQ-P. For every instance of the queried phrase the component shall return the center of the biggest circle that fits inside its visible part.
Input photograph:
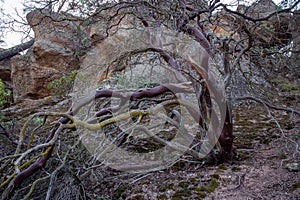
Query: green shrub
(3, 94)
(62, 85)
(121, 81)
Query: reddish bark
(226, 138)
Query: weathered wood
(8, 53)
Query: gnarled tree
(175, 48)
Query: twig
(288, 109)
(33, 186)
(53, 174)
(141, 177)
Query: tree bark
(226, 138)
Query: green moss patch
(213, 185)
(215, 176)
(183, 184)
(288, 87)
(181, 194)
(236, 169)
(210, 187)
(201, 194)
(119, 192)
(295, 186)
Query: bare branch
(291, 110)
(8, 53)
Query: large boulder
(54, 53)
(60, 29)
(30, 79)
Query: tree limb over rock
(8, 53)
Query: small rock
(293, 167)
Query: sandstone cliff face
(52, 55)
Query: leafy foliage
(121, 81)
(63, 85)
(3, 94)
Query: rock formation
(53, 54)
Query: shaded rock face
(259, 9)
(5, 70)
(296, 30)
(294, 61)
(53, 54)
(276, 31)
(30, 79)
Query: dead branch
(291, 110)
(8, 53)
